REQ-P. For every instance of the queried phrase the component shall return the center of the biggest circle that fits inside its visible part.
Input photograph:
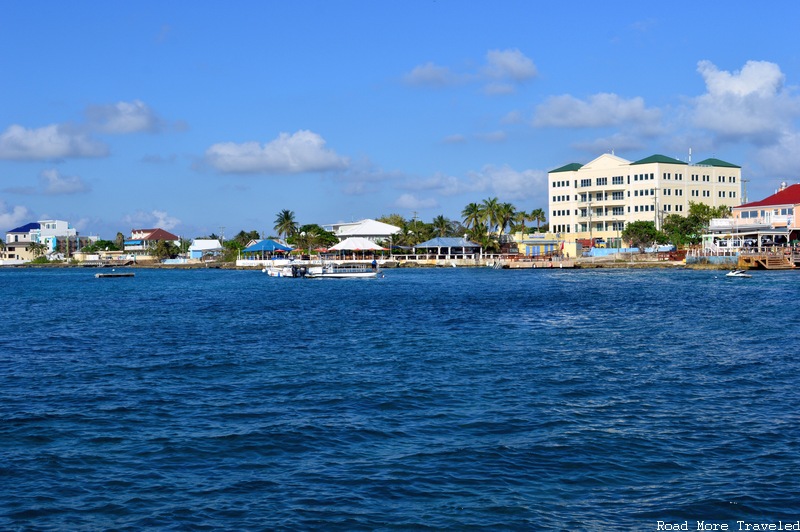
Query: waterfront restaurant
(758, 224)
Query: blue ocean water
(427, 399)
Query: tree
(164, 249)
(285, 224)
(679, 230)
(37, 249)
(244, 238)
(641, 234)
(471, 215)
(119, 241)
(505, 213)
(520, 217)
(538, 216)
(393, 219)
(100, 245)
(441, 225)
(490, 214)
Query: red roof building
(778, 210)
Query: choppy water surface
(439, 399)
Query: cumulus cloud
(599, 110)
(783, 158)
(620, 142)
(503, 71)
(49, 142)
(750, 104)
(410, 202)
(123, 117)
(510, 184)
(303, 151)
(431, 75)
(11, 217)
(502, 181)
(509, 64)
(442, 184)
(152, 219)
(53, 183)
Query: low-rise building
(368, 228)
(772, 221)
(204, 248)
(142, 241)
(52, 238)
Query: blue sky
(206, 115)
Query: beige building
(598, 199)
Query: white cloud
(600, 110)
(509, 184)
(53, 183)
(152, 219)
(431, 75)
(49, 142)
(783, 158)
(442, 184)
(502, 181)
(455, 139)
(303, 151)
(123, 117)
(750, 104)
(509, 64)
(493, 136)
(13, 217)
(409, 201)
(503, 72)
(619, 142)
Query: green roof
(717, 162)
(571, 167)
(658, 159)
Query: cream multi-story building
(598, 199)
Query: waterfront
(432, 398)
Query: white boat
(294, 270)
(738, 273)
(334, 271)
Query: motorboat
(335, 271)
(294, 270)
(738, 273)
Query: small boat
(738, 273)
(334, 271)
(287, 271)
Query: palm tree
(505, 212)
(490, 214)
(285, 224)
(441, 225)
(37, 248)
(472, 215)
(538, 216)
(520, 217)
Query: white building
(371, 229)
(57, 237)
(598, 199)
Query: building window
(601, 181)
(617, 180)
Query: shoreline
(579, 264)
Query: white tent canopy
(356, 243)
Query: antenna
(744, 190)
(690, 155)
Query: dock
(107, 275)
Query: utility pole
(744, 190)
